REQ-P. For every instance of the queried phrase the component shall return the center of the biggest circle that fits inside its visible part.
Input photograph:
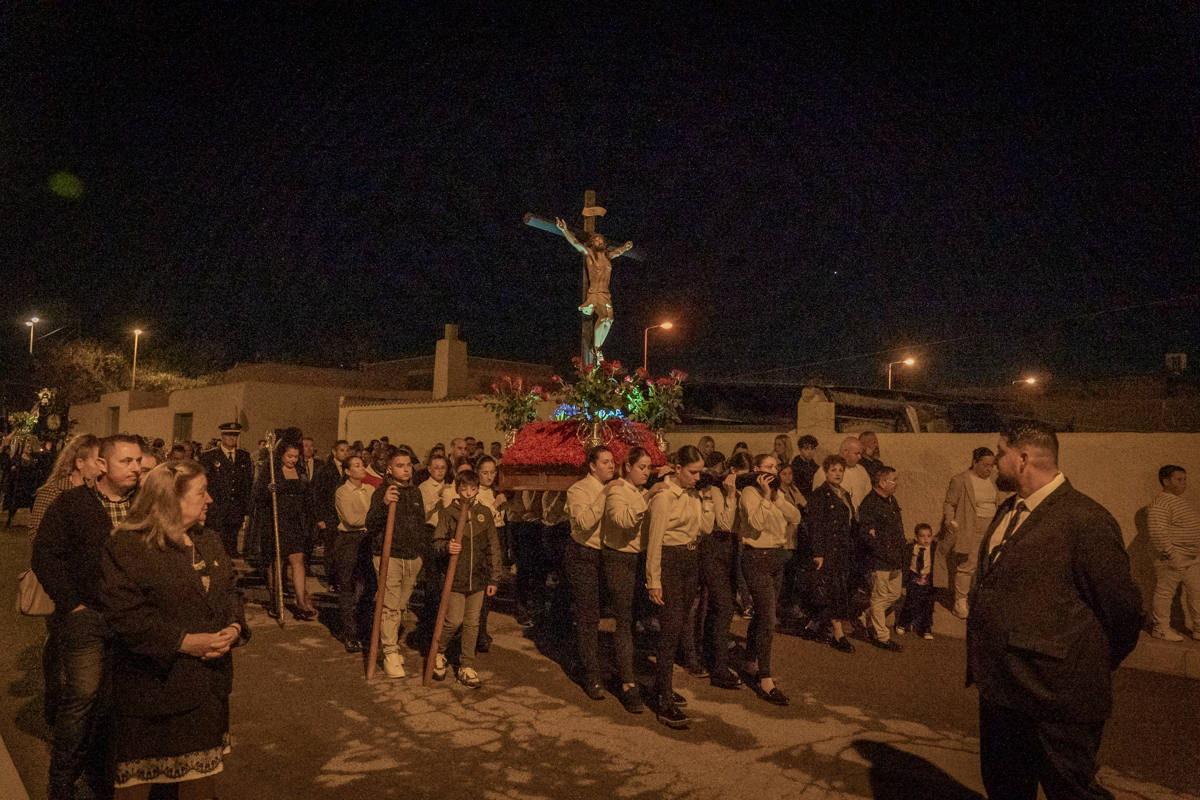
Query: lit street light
(133, 374)
(1030, 381)
(908, 362)
(31, 323)
(666, 326)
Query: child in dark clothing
(476, 572)
(917, 614)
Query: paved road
(871, 724)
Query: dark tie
(920, 560)
(1012, 526)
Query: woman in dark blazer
(831, 529)
(170, 600)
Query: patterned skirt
(172, 749)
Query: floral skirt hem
(173, 769)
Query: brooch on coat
(480, 518)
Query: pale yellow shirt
(763, 523)
(724, 509)
(585, 505)
(622, 527)
(431, 496)
(352, 504)
(677, 517)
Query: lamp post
(908, 362)
(133, 374)
(1030, 381)
(666, 326)
(31, 323)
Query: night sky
(331, 184)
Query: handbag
(32, 599)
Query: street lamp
(908, 362)
(1030, 381)
(666, 326)
(30, 323)
(137, 332)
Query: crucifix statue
(597, 272)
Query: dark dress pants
(79, 738)
(1017, 752)
(583, 576)
(917, 613)
(229, 537)
(679, 570)
(717, 577)
(531, 575)
(621, 581)
(351, 568)
(763, 569)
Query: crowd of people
(136, 547)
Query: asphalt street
(870, 724)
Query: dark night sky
(304, 181)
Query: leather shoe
(678, 699)
(352, 645)
(895, 647)
(631, 699)
(594, 690)
(727, 681)
(774, 697)
(668, 714)
(842, 644)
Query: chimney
(450, 366)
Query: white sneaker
(960, 608)
(393, 665)
(927, 636)
(439, 668)
(900, 630)
(1166, 634)
(468, 678)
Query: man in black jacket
(325, 482)
(1054, 610)
(883, 532)
(66, 559)
(230, 483)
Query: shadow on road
(897, 775)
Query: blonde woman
(170, 601)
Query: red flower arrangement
(556, 447)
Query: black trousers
(350, 568)
(917, 612)
(1017, 752)
(583, 570)
(763, 570)
(526, 539)
(718, 577)
(621, 580)
(229, 538)
(679, 570)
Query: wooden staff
(275, 520)
(431, 659)
(384, 554)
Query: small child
(917, 613)
(476, 572)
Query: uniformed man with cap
(230, 483)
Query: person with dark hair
(623, 536)
(678, 515)
(230, 473)
(804, 467)
(917, 612)
(870, 459)
(476, 573)
(585, 504)
(327, 478)
(856, 481)
(66, 559)
(485, 467)
(762, 520)
(882, 532)
(295, 517)
(1054, 611)
(970, 505)
(831, 529)
(349, 567)
(1175, 537)
(169, 598)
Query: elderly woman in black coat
(831, 526)
(171, 603)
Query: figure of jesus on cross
(598, 302)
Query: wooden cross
(589, 213)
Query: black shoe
(697, 671)
(842, 644)
(594, 690)
(774, 697)
(668, 714)
(678, 699)
(811, 634)
(483, 644)
(352, 644)
(895, 647)
(631, 699)
(727, 681)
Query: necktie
(1012, 526)
(920, 560)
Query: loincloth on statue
(598, 303)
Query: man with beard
(1054, 610)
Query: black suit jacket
(230, 485)
(151, 598)
(1056, 613)
(324, 486)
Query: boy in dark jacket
(477, 572)
(917, 613)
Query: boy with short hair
(917, 613)
(476, 573)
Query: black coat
(151, 598)
(66, 550)
(885, 550)
(410, 534)
(230, 484)
(1056, 613)
(324, 486)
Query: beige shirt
(431, 496)
(352, 504)
(763, 523)
(677, 517)
(623, 526)
(985, 497)
(585, 505)
(724, 509)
